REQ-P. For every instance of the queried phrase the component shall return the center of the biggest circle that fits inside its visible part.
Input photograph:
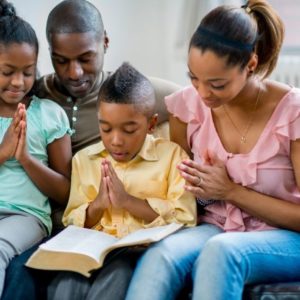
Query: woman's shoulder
(279, 92)
(186, 104)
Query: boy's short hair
(128, 86)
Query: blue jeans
(220, 263)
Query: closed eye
(219, 87)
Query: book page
(148, 235)
(75, 239)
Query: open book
(83, 250)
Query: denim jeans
(220, 263)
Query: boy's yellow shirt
(151, 176)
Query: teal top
(46, 121)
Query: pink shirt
(267, 168)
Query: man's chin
(80, 93)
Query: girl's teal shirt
(46, 121)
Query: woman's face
(216, 82)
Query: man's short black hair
(74, 16)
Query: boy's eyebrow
(125, 123)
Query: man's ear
(152, 123)
(106, 41)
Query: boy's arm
(81, 195)
(180, 205)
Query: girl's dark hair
(14, 29)
(235, 33)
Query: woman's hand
(208, 180)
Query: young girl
(35, 149)
(243, 132)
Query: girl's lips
(15, 93)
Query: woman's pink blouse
(267, 168)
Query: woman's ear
(252, 64)
(152, 123)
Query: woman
(241, 130)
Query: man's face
(77, 59)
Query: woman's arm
(178, 133)
(215, 184)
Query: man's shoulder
(44, 86)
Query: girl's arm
(53, 181)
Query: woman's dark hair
(14, 29)
(235, 33)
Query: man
(77, 42)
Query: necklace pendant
(243, 139)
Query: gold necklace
(243, 134)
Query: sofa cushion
(274, 291)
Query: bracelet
(205, 202)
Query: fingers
(195, 180)
(197, 191)
(193, 166)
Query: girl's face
(215, 82)
(17, 72)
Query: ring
(199, 181)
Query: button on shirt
(151, 176)
(80, 111)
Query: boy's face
(123, 129)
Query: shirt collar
(49, 84)
(148, 151)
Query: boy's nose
(117, 140)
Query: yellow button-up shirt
(151, 176)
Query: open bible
(83, 250)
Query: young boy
(126, 182)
